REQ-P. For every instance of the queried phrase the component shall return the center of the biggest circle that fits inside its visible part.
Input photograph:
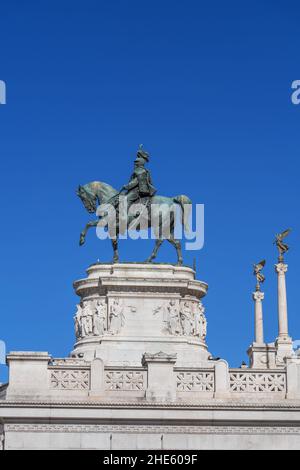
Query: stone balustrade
(251, 381)
(75, 377)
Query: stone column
(258, 297)
(261, 355)
(284, 346)
(281, 269)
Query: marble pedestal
(144, 308)
(262, 355)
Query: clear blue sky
(205, 86)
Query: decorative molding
(215, 404)
(195, 381)
(156, 288)
(150, 429)
(68, 379)
(125, 380)
(250, 382)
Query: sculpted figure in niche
(87, 319)
(99, 323)
(174, 326)
(186, 315)
(199, 321)
(203, 321)
(116, 317)
(77, 321)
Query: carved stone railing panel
(129, 380)
(248, 382)
(195, 381)
(69, 379)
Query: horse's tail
(186, 206)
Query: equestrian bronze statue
(135, 206)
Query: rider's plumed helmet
(142, 153)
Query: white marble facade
(141, 363)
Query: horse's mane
(102, 189)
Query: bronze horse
(98, 194)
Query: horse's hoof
(179, 263)
(115, 260)
(148, 260)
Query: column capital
(258, 295)
(281, 268)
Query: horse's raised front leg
(153, 255)
(114, 242)
(84, 231)
(177, 245)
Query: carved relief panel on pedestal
(116, 316)
(183, 317)
(91, 318)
